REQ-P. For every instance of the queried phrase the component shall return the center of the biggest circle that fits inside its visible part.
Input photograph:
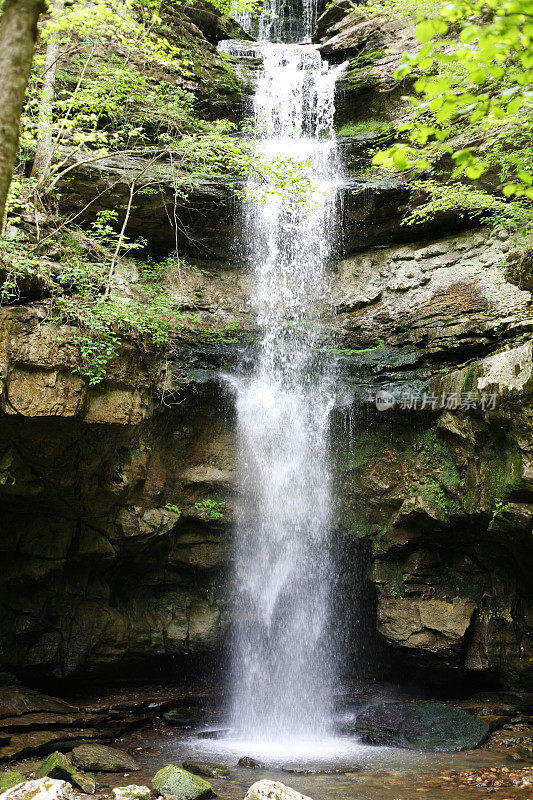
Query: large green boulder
(421, 725)
(172, 781)
(100, 758)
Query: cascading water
(284, 664)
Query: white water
(284, 664)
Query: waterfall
(284, 663)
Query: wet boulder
(425, 725)
(132, 792)
(207, 769)
(100, 758)
(177, 783)
(250, 763)
(41, 789)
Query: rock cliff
(117, 498)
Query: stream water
(284, 664)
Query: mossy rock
(426, 725)
(207, 769)
(172, 781)
(59, 766)
(132, 792)
(10, 779)
(100, 758)
(56, 765)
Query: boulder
(424, 725)
(273, 790)
(41, 789)
(251, 763)
(132, 792)
(208, 770)
(172, 781)
(100, 758)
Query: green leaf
(399, 160)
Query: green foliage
(380, 126)
(398, 9)
(213, 508)
(469, 200)
(473, 75)
(76, 292)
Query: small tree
(18, 35)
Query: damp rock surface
(427, 726)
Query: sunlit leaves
(470, 78)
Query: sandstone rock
(273, 790)
(509, 373)
(171, 781)
(41, 789)
(426, 726)
(214, 25)
(132, 792)
(333, 14)
(18, 700)
(432, 625)
(100, 758)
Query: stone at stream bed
(425, 725)
(41, 789)
(10, 779)
(132, 792)
(296, 769)
(206, 769)
(59, 766)
(100, 758)
(273, 790)
(251, 763)
(179, 718)
(172, 781)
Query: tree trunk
(45, 147)
(18, 34)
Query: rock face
(117, 499)
(427, 726)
